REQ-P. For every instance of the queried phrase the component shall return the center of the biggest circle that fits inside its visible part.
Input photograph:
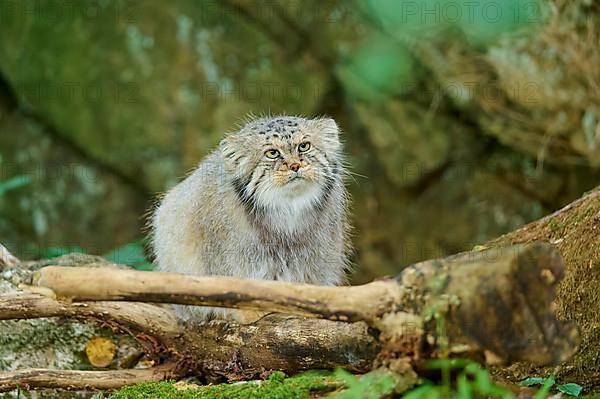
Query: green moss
(554, 225)
(277, 386)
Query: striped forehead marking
(282, 128)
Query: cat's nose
(295, 167)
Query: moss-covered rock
(150, 87)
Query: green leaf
(483, 381)
(463, 387)
(543, 392)
(379, 66)
(426, 391)
(570, 389)
(373, 385)
(532, 381)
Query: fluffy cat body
(269, 203)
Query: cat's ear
(229, 145)
(228, 149)
(330, 133)
(234, 152)
(224, 146)
(328, 127)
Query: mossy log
(496, 302)
(575, 232)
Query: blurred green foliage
(480, 22)
(379, 68)
(131, 254)
(383, 64)
(470, 380)
(13, 183)
(374, 385)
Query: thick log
(575, 232)
(231, 351)
(500, 298)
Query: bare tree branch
(336, 303)
(82, 380)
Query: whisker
(355, 174)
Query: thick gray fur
(243, 214)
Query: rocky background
(462, 120)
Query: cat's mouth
(296, 177)
(294, 181)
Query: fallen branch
(361, 303)
(156, 321)
(82, 380)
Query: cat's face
(283, 161)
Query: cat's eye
(303, 147)
(272, 154)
